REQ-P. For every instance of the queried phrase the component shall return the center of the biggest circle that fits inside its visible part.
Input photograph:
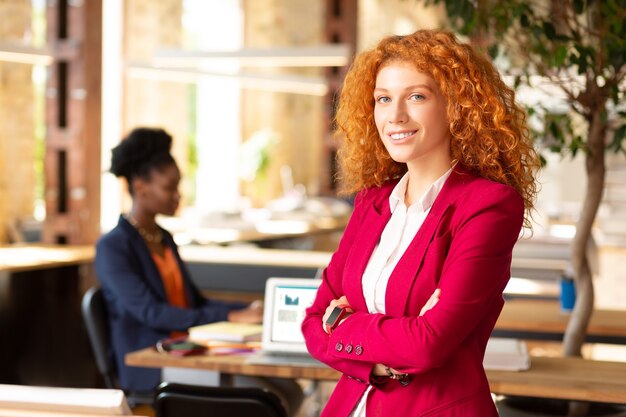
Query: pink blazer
(463, 247)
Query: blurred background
(247, 88)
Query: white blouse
(396, 237)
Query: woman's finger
(432, 301)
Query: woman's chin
(171, 212)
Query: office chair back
(174, 400)
(96, 320)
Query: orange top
(172, 281)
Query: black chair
(175, 400)
(95, 316)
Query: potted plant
(580, 47)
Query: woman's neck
(420, 178)
(143, 219)
(147, 228)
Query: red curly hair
(489, 136)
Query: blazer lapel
(153, 277)
(368, 235)
(404, 274)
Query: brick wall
(17, 135)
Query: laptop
(282, 343)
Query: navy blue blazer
(139, 312)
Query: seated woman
(147, 288)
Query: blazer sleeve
(474, 275)
(119, 272)
(317, 341)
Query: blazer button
(338, 347)
(348, 348)
(405, 380)
(358, 350)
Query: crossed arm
(379, 369)
(474, 274)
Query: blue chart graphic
(292, 301)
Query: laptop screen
(286, 300)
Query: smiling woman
(441, 160)
(410, 114)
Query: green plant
(580, 47)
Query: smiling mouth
(402, 135)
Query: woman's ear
(138, 186)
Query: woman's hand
(432, 301)
(330, 308)
(381, 370)
(252, 314)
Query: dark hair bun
(142, 150)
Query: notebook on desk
(286, 300)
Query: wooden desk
(30, 257)
(227, 364)
(562, 378)
(44, 284)
(291, 226)
(544, 320)
(41, 401)
(310, 259)
(244, 269)
(10, 412)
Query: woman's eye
(383, 99)
(417, 97)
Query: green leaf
(549, 30)
(555, 131)
(582, 65)
(576, 145)
(493, 50)
(579, 6)
(618, 138)
(615, 95)
(523, 19)
(560, 55)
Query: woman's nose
(398, 113)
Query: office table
(245, 269)
(32, 257)
(40, 290)
(289, 226)
(548, 377)
(544, 320)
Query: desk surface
(274, 229)
(563, 378)
(12, 412)
(17, 258)
(254, 256)
(315, 259)
(533, 318)
(227, 364)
